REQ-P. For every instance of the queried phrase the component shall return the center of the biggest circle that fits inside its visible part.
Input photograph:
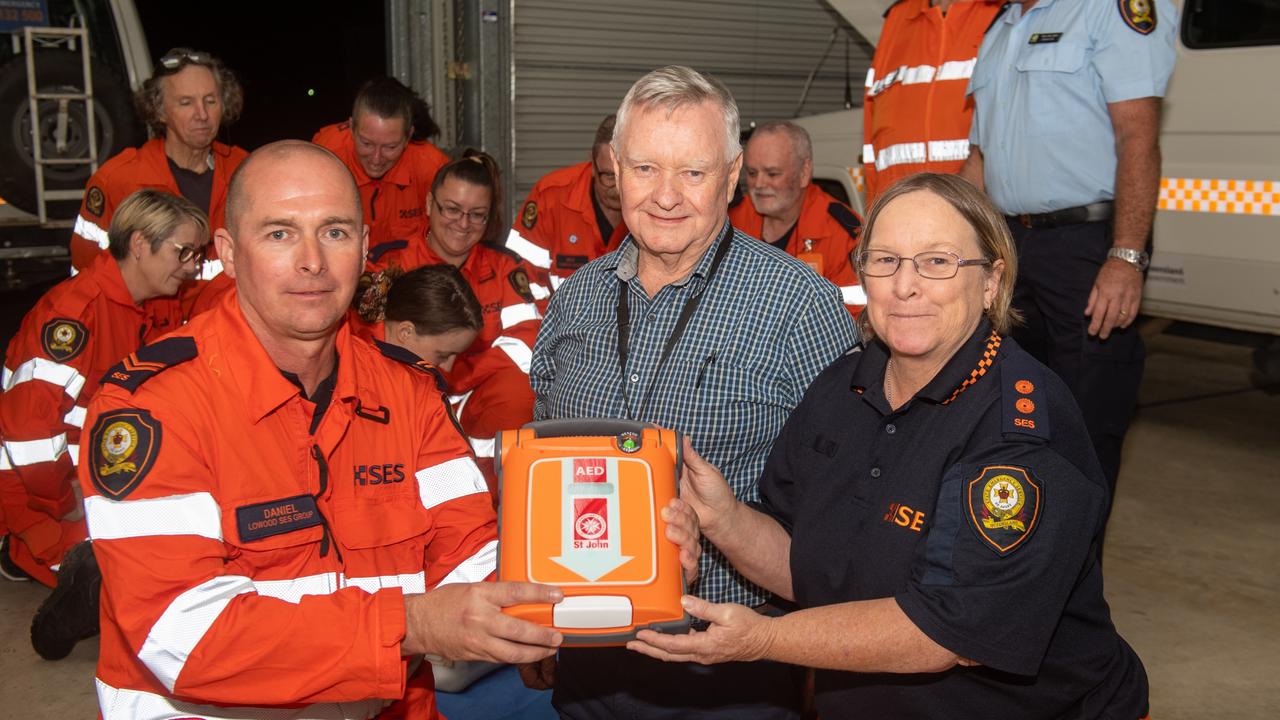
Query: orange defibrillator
(578, 508)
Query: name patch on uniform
(570, 262)
(276, 517)
(520, 283)
(1042, 38)
(123, 447)
(529, 216)
(95, 201)
(63, 338)
(1004, 505)
(1139, 15)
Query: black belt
(1093, 212)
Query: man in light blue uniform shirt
(1065, 141)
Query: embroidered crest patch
(529, 216)
(520, 283)
(1004, 505)
(1140, 15)
(94, 201)
(124, 447)
(63, 338)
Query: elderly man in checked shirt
(690, 325)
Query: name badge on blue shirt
(1042, 38)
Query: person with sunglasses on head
(572, 216)
(385, 144)
(66, 343)
(934, 505)
(185, 103)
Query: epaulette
(890, 8)
(846, 217)
(150, 360)
(999, 14)
(738, 197)
(408, 357)
(505, 251)
(382, 248)
(1024, 403)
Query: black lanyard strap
(686, 314)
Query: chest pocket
(1052, 75)
(364, 523)
(737, 405)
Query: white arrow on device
(590, 527)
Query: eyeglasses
(455, 213)
(605, 178)
(931, 265)
(186, 253)
(178, 57)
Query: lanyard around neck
(686, 313)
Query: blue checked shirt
(767, 326)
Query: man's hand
(706, 491)
(464, 621)
(737, 633)
(1114, 300)
(682, 529)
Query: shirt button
(635, 377)
(875, 472)
(890, 428)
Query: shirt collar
(626, 261)
(1014, 14)
(106, 273)
(966, 366)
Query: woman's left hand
(682, 529)
(737, 633)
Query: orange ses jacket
(394, 204)
(557, 231)
(915, 116)
(255, 555)
(78, 330)
(825, 237)
(135, 169)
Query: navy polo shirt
(977, 506)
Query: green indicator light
(311, 92)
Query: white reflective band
(516, 314)
(868, 154)
(449, 480)
(293, 590)
(30, 452)
(91, 232)
(527, 250)
(73, 452)
(853, 295)
(540, 292)
(517, 350)
(956, 69)
(475, 568)
(210, 269)
(556, 280)
(460, 401)
(903, 153)
(899, 154)
(1232, 197)
(871, 77)
(409, 583)
(74, 271)
(170, 641)
(75, 416)
(917, 74)
(64, 376)
(191, 514)
(948, 150)
(118, 704)
(482, 447)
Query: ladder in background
(75, 37)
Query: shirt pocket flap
(381, 522)
(1063, 57)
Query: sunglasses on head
(178, 57)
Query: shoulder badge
(529, 216)
(847, 219)
(1023, 403)
(1004, 505)
(408, 357)
(63, 338)
(150, 360)
(95, 201)
(377, 251)
(124, 445)
(520, 283)
(1139, 15)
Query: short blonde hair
(157, 215)
(677, 86)
(994, 240)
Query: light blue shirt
(1041, 88)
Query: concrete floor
(1191, 561)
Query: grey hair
(677, 86)
(800, 141)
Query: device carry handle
(584, 427)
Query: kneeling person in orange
(784, 207)
(284, 514)
(73, 335)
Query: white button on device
(592, 611)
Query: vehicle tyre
(59, 71)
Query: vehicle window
(1230, 23)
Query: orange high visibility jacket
(825, 237)
(77, 331)
(135, 169)
(395, 204)
(557, 231)
(915, 116)
(255, 556)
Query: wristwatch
(1137, 258)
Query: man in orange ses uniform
(394, 172)
(572, 216)
(784, 207)
(915, 116)
(285, 515)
